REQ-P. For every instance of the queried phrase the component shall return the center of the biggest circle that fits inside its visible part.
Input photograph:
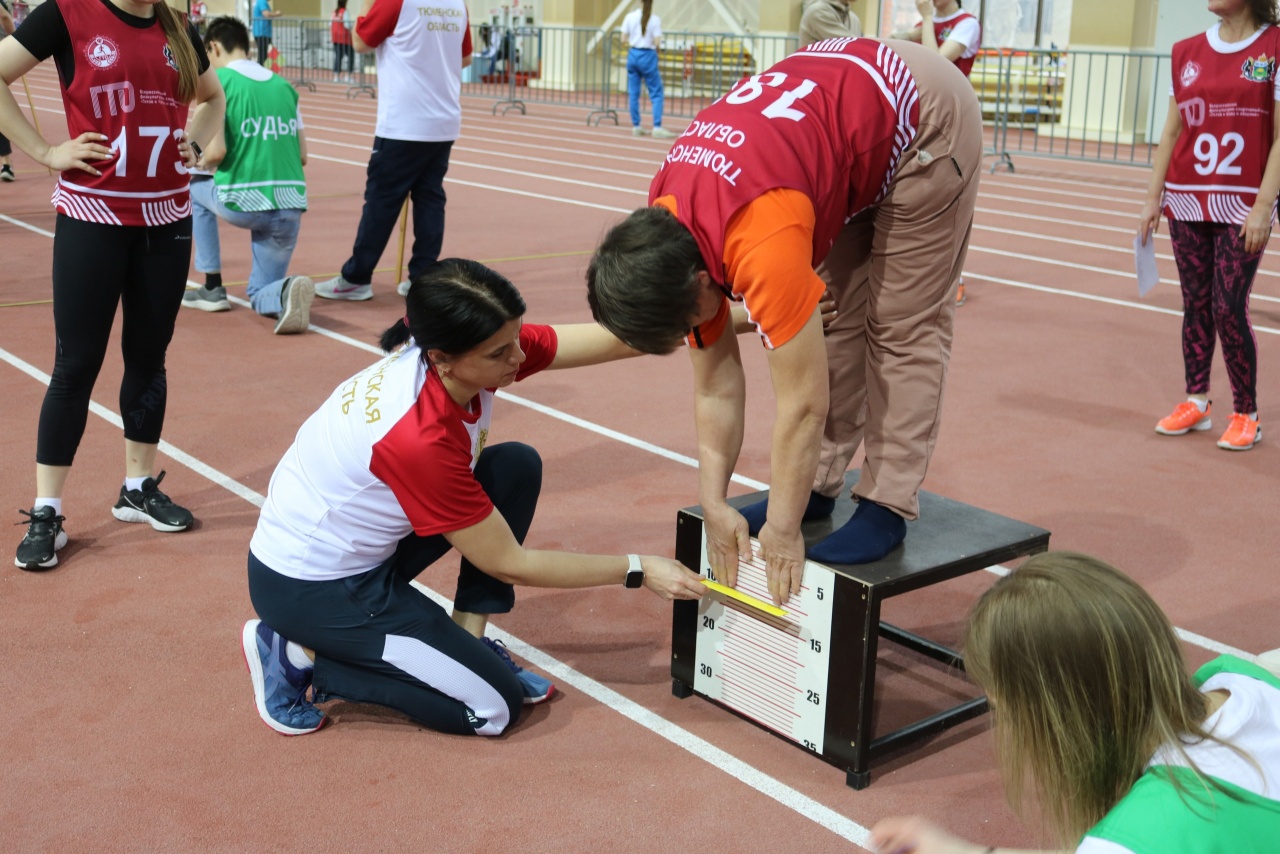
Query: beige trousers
(893, 271)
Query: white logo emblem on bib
(1190, 72)
(102, 52)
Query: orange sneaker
(960, 294)
(1185, 417)
(1242, 433)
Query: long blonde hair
(183, 52)
(646, 9)
(1086, 680)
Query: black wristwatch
(195, 146)
(635, 574)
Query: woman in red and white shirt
(1215, 176)
(128, 70)
(391, 473)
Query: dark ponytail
(454, 307)
(646, 7)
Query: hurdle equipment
(808, 675)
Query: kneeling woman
(388, 475)
(1095, 713)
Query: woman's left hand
(925, 8)
(1256, 230)
(189, 157)
(914, 835)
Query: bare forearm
(206, 124)
(720, 428)
(928, 36)
(536, 568)
(792, 462)
(1270, 185)
(14, 125)
(1160, 163)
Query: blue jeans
(273, 233)
(643, 64)
(399, 168)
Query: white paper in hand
(1145, 261)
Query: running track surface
(129, 721)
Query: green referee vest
(263, 167)
(1155, 818)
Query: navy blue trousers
(400, 169)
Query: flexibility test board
(771, 669)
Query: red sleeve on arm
(431, 477)
(466, 37)
(375, 27)
(539, 344)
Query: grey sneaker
(206, 298)
(340, 288)
(662, 133)
(295, 305)
(403, 288)
(639, 131)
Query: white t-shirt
(389, 453)
(968, 32)
(1216, 42)
(632, 33)
(420, 46)
(1249, 719)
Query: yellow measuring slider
(758, 604)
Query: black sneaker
(38, 550)
(206, 298)
(152, 506)
(6, 175)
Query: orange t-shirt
(768, 248)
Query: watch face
(635, 578)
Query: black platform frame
(949, 539)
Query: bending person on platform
(1095, 714)
(861, 158)
(389, 475)
(258, 184)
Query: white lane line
(704, 750)
(725, 762)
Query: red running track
(129, 717)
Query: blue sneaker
(279, 688)
(536, 689)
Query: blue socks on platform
(818, 507)
(871, 533)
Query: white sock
(297, 656)
(55, 503)
(1253, 416)
(1202, 405)
(132, 483)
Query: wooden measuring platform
(809, 676)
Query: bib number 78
(781, 108)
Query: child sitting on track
(1093, 708)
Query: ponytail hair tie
(406, 321)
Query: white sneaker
(340, 288)
(662, 133)
(639, 131)
(403, 288)
(1270, 660)
(295, 305)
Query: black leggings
(5, 148)
(379, 640)
(95, 268)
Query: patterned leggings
(1217, 276)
